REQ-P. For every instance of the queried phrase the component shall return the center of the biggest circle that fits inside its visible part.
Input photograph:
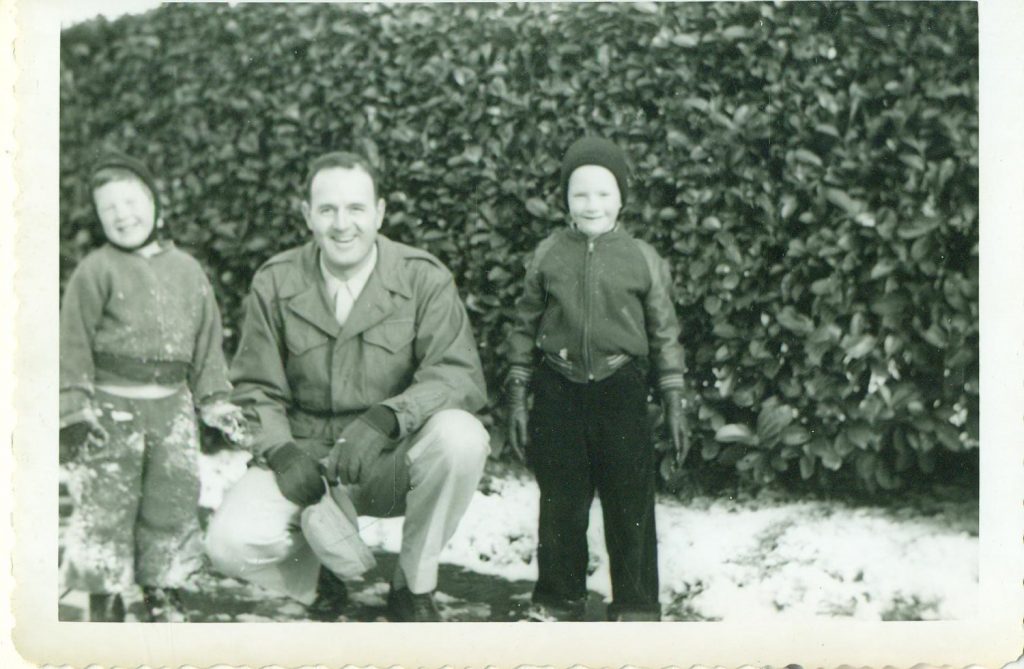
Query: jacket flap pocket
(393, 335)
(301, 337)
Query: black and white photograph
(670, 314)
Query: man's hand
(675, 422)
(518, 415)
(297, 474)
(229, 419)
(359, 445)
(86, 432)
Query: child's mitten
(83, 430)
(229, 419)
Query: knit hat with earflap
(595, 151)
(113, 159)
(116, 159)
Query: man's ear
(304, 206)
(380, 213)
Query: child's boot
(163, 605)
(106, 608)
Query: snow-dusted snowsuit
(133, 321)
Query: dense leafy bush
(810, 169)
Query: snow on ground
(722, 559)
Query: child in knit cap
(595, 315)
(140, 349)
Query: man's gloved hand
(518, 415)
(360, 444)
(675, 422)
(83, 433)
(229, 419)
(297, 474)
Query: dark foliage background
(809, 169)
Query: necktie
(343, 301)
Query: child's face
(126, 211)
(594, 199)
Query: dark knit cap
(595, 151)
(111, 159)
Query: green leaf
(710, 450)
(537, 207)
(795, 435)
(795, 322)
(805, 156)
(860, 347)
(806, 466)
(841, 199)
(735, 433)
(771, 421)
(917, 228)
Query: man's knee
(234, 547)
(458, 438)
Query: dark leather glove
(297, 474)
(360, 444)
(518, 416)
(675, 423)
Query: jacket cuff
(519, 374)
(382, 419)
(670, 382)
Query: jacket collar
(617, 232)
(307, 296)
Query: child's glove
(297, 474)
(85, 431)
(517, 418)
(229, 419)
(359, 445)
(675, 422)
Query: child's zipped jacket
(591, 305)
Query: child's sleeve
(80, 313)
(663, 325)
(208, 376)
(526, 317)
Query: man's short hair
(345, 160)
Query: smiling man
(357, 356)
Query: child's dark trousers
(585, 437)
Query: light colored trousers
(430, 478)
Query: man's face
(344, 216)
(126, 212)
(594, 199)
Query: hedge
(809, 169)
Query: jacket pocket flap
(300, 337)
(391, 335)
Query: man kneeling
(357, 356)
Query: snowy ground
(720, 559)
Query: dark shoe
(105, 608)
(406, 607)
(551, 613)
(163, 605)
(331, 598)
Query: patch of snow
(217, 473)
(723, 559)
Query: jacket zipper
(586, 310)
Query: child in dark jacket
(595, 313)
(140, 349)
